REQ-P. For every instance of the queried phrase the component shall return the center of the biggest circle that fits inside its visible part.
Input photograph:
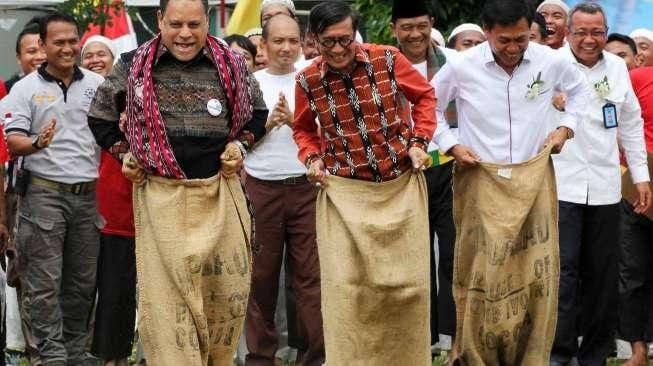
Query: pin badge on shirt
(610, 116)
(214, 107)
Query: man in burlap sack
(505, 206)
(372, 228)
(193, 112)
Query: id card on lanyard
(610, 116)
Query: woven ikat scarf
(146, 134)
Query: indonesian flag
(121, 31)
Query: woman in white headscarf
(98, 55)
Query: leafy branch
(97, 12)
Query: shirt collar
(360, 56)
(77, 73)
(488, 56)
(163, 51)
(570, 55)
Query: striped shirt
(364, 117)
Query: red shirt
(365, 129)
(4, 154)
(642, 80)
(114, 197)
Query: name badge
(610, 116)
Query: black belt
(76, 188)
(291, 181)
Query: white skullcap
(559, 3)
(437, 37)
(254, 32)
(642, 32)
(465, 27)
(287, 3)
(101, 39)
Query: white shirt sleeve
(18, 104)
(631, 131)
(574, 84)
(446, 90)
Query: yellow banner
(246, 16)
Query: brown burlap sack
(193, 265)
(628, 190)
(374, 260)
(506, 262)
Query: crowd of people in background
(297, 162)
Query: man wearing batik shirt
(360, 94)
(193, 111)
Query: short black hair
(618, 37)
(33, 26)
(506, 12)
(242, 42)
(328, 13)
(52, 18)
(163, 5)
(266, 26)
(587, 8)
(541, 23)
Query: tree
(86, 12)
(376, 16)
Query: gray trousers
(58, 242)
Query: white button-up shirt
(500, 116)
(587, 169)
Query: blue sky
(626, 15)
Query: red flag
(121, 31)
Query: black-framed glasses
(331, 42)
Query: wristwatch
(35, 142)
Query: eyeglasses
(593, 34)
(331, 42)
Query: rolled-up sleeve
(17, 105)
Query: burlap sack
(193, 265)
(506, 262)
(374, 261)
(628, 190)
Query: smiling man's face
(184, 27)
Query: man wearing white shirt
(589, 191)
(284, 207)
(503, 91)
